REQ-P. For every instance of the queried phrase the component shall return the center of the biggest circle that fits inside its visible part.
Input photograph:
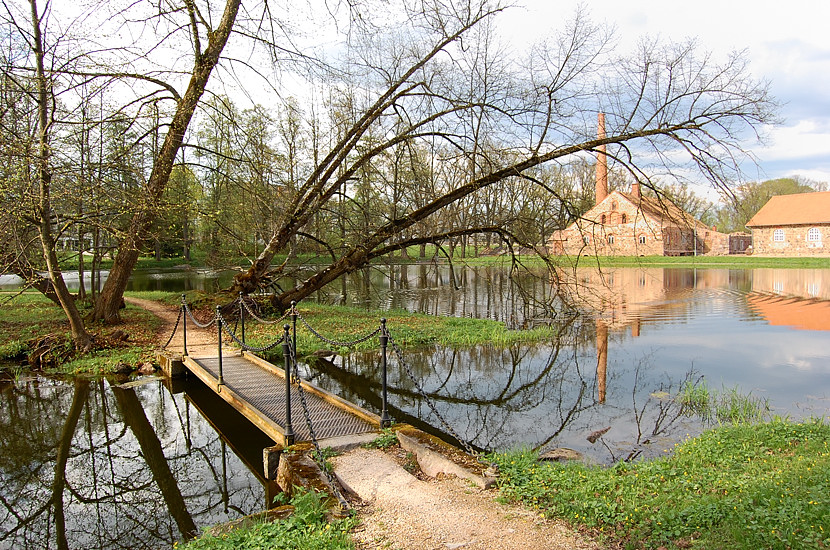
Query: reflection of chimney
(635, 190)
(602, 162)
(602, 359)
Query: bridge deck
(256, 389)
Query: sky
(787, 43)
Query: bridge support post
(184, 325)
(242, 316)
(294, 326)
(286, 350)
(385, 421)
(219, 325)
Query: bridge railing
(288, 340)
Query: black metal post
(184, 325)
(286, 350)
(219, 325)
(385, 421)
(294, 326)
(242, 316)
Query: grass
(387, 438)
(346, 324)
(744, 486)
(30, 316)
(725, 406)
(305, 529)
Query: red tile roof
(799, 209)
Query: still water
(111, 467)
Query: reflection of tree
(135, 418)
(544, 394)
(78, 400)
(71, 474)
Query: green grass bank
(745, 486)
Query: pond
(639, 336)
(110, 466)
(93, 464)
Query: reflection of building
(630, 224)
(798, 298)
(792, 225)
(792, 312)
(804, 283)
(623, 296)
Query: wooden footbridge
(257, 389)
(287, 409)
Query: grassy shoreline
(730, 262)
(30, 316)
(747, 486)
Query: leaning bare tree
(440, 87)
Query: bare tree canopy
(389, 125)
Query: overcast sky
(788, 43)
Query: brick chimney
(635, 190)
(602, 162)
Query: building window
(602, 219)
(642, 239)
(614, 205)
(624, 219)
(586, 239)
(778, 235)
(610, 239)
(814, 235)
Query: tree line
(413, 126)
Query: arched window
(642, 239)
(586, 239)
(610, 239)
(814, 235)
(778, 236)
(614, 205)
(624, 218)
(602, 219)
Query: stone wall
(795, 242)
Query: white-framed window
(610, 239)
(586, 239)
(778, 236)
(642, 239)
(814, 235)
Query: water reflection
(639, 335)
(87, 465)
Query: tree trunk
(109, 302)
(80, 336)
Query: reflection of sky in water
(688, 322)
(779, 363)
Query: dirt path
(404, 513)
(401, 512)
(200, 342)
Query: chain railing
(292, 377)
(466, 444)
(291, 356)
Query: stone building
(792, 225)
(630, 224)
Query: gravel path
(403, 513)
